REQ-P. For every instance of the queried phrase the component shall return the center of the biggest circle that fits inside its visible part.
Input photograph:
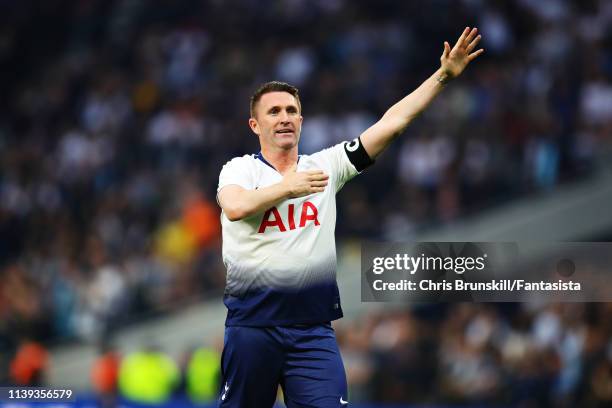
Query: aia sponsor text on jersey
(273, 218)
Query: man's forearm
(398, 117)
(245, 203)
(394, 121)
(239, 203)
(413, 104)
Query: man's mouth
(282, 131)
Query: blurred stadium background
(116, 117)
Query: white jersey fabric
(281, 263)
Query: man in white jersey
(278, 221)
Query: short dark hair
(274, 86)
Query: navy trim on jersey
(269, 307)
(260, 157)
(263, 159)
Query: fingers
(473, 44)
(323, 177)
(312, 188)
(313, 172)
(475, 54)
(322, 183)
(310, 175)
(316, 176)
(462, 37)
(309, 182)
(470, 37)
(466, 37)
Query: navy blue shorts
(303, 360)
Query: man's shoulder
(331, 150)
(241, 161)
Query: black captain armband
(357, 154)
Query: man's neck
(282, 160)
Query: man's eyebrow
(288, 107)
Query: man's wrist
(285, 190)
(442, 77)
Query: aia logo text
(272, 217)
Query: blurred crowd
(116, 117)
(507, 354)
(144, 376)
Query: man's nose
(284, 117)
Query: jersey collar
(260, 157)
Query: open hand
(302, 183)
(456, 59)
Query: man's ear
(254, 125)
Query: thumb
(446, 50)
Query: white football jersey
(281, 263)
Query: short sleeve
(340, 164)
(236, 171)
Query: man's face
(277, 121)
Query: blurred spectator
(601, 381)
(105, 371)
(105, 375)
(202, 375)
(148, 376)
(30, 364)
